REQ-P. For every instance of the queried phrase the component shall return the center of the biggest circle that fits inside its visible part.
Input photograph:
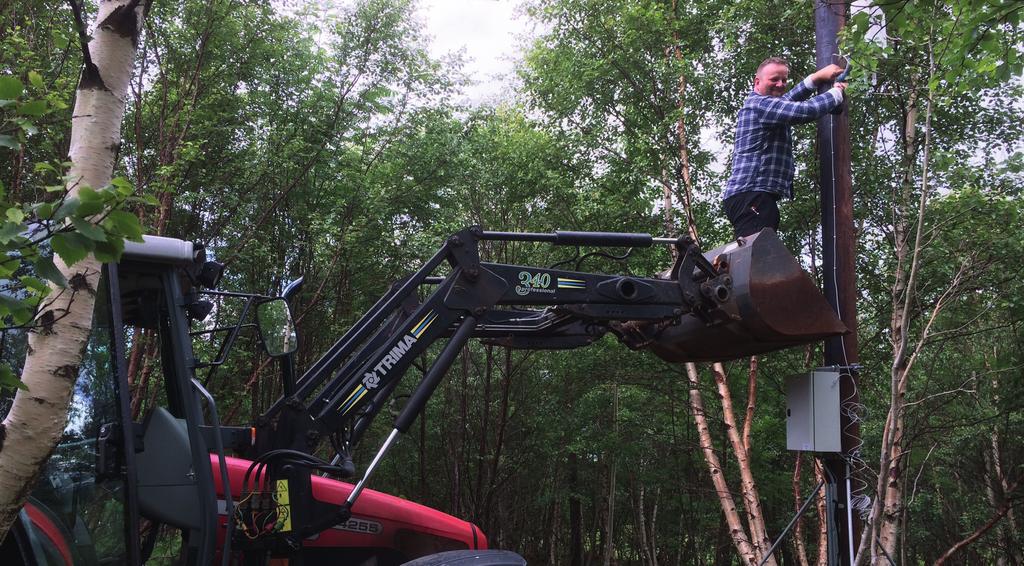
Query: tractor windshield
(76, 515)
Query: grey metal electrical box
(812, 411)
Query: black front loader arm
(567, 309)
(748, 297)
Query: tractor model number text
(360, 526)
(533, 283)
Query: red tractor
(260, 494)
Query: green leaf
(71, 247)
(60, 41)
(8, 380)
(88, 194)
(8, 267)
(8, 141)
(44, 166)
(89, 208)
(147, 199)
(46, 269)
(122, 185)
(44, 210)
(33, 298)
(16, 308)
(15, 215)
(109, 251)
(36, 79)
(1003, 72)
(126, 224)
(7, 304)
(27, 126)
(24, 315)
(67, 208)
(9, 231)
(10, 88)
(89, 230)
(34, 283)
(860, 21)
(33, 108)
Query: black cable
(261, 521)
(830, 516)
(558, 264)
(579, 262)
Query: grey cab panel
(168, 491)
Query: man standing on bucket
(762, 161)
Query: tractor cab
(85, 507)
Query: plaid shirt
(762, 158)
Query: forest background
(329, 144)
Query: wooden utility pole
(839, 274)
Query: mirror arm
(288, 373)
(292, 289)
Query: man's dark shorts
(752, 210)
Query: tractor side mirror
(277, 330)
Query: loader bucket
(774, 305)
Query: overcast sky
(488, 31)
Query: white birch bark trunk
(737, 532)
(639, 515)
(748, 546)
(798, 532)
(870, 545)
(57, 341)
(903, 359)
(652, 527)
(751, 499)
(821, 504)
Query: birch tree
(61, 328)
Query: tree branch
(1000, 512)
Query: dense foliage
(325, 143)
